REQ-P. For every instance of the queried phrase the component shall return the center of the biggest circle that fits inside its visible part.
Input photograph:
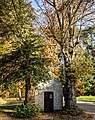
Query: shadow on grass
(8, 110)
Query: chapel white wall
(51, 86)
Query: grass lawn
(5, 101)
(7, 106)
(86, 98)
(7, 109)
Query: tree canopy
(25, 60)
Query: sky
(34, 3)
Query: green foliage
(16, 19)
(88, 79)
(89, 85)
(21, 64)
(86, 98)
(86, 85)
(28, 110)
(25, 60)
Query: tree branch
(83, 17)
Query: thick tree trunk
(69, 86)
(27, 88)
(70, 95)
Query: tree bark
(70, 90)
(27, 88)
(69, 86)
(70, 95)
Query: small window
(50, 96)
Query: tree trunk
(27, 88)
(19, 94)
(70, 95)
(69, 86)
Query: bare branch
(83, 17)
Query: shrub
(28, 110)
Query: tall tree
(25, 60)
(89, 46)
(59, 22)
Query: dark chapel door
(48, 101)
